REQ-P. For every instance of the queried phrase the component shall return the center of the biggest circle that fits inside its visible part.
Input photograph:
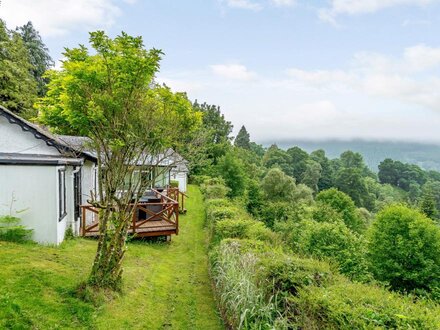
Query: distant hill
(426, 156)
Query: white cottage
(43, 176)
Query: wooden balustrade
(149, 219)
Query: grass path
(166, 285)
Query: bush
(343, 204)
(215, 191)
(282, 275)
(243, 228)
(11, 231)
(404, 249)
(335, 242)
(174, 183)
(346, 305)
(220, 213)
(218, 202)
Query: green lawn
(166, 285)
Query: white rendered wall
(35, 190)
(15, 140)
(182, 177)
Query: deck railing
(179, 196)
(146, 216)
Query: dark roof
(80, 143)
(42, 134)
(33, 159)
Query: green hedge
(260, 286)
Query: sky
(286, 69)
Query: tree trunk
(107, 271)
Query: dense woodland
(297, 239)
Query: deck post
(134, 219)
(176, 210)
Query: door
(77, 194)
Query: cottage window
(62, 194)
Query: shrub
(323, 212)
(233, 228)
(346, 305)
(404, 249)
(343, 204)
(221, 213)
(215, 191)
(335, 242)
(243, 228)
(174, 183)
(282, 275)
(11, 231)
(217, 202)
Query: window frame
(62, 198)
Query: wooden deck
(159, 218)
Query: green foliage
(174, 183)
(312, 174)
(333, 241)
(343, 204)
(400, 175)
(278, 186)
(243, 139)
(346, 305)
(243, 303)
(231, 169)
(326, 179)
(276, 157)
(323, 212)
(38, 55)
(404, 249)
(243, 228)
(428, 205)
(216, 191)
(298, 159)
(18, 89)
(12, 231)
(254, 198)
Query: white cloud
(375, 96)
(55, 18)
(233, 71)
(284, 3)
(357, 7)
(244, 4)
(320, 78)
(406, 79)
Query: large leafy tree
(38, 55)
(109, 95)
(213, 137)
(298, 162)
(276, 157)
(18, 89)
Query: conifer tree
(243, 139)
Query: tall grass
(244, 304)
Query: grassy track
(166, 286)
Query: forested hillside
(425, 155)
